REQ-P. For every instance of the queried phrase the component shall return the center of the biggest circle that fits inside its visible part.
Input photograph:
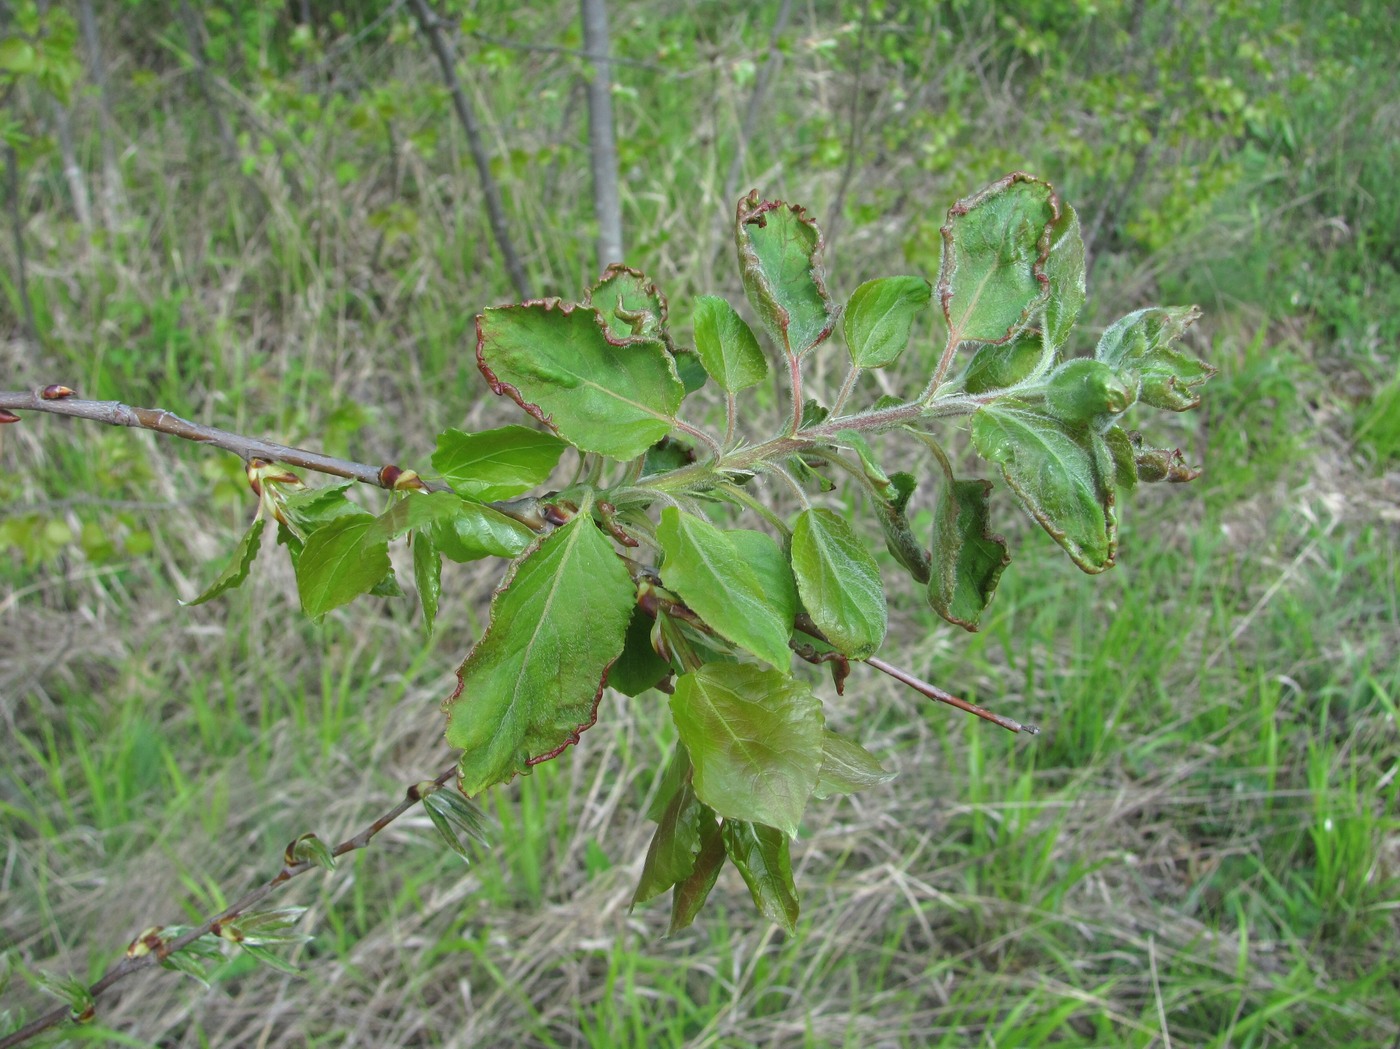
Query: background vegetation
(277, 229)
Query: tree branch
(135, 962)
(114, 413)
(495, 209)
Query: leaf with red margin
(630, 304)
(532, 682)
(995, 244)
(779, 259)
(560, 362)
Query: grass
(1201, 848)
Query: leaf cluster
(638, 571)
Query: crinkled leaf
(341, 561)
(532, 682)
(1064, 267)
(639, 667)
(755, 740)
(690, 895)
(560, 363)
(761, 855)
(1058, 475)
(705, 567)
(233, 576)
(1140, 344)
(992, 278)
(904, 546)
(427, 577)
(968, 556)
(839, 582)
(727, 346)
(1123, 452)
(496, 464)
(674, 846)
(996, 366)
(880, 316)
(847, 767)
(630, 304)
(779, 260)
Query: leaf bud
(1085, 391)
(55, 393)
(997, 366)
(1164, 464)
(8, 417)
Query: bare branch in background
(112, 191)
(760, 91)
(194, 33)
(602, 145)
(31, 329)
(495, 209)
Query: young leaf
(705, 567)
(761, 855)
(630, 305)
(462, 529)
(1085, 392)
(847, 767)
(427, 576)
(639, 667)
(1140, 344)
(900, 540)
(690, 895)
(674, 846)
(879, 317)
(1064, 267)
(341, 561)
(454, 818)
(310, 508)
(839, 582)
(779, 250)
(995, 244)
(761, 553)
(727, 346)
(532, 682)
(561, 364)
(968, 556)
(270, 959)
(1058, 475)
(233, 576)
(999, 365)
(496, 464)
(755, 740)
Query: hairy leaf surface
(532, 682)
(560, 363)
(968, 556)
(755, 740)
(1064, 268)
(779, 260)
(630, 305)
(1061, 475)
(995, 243)
(1140, 343)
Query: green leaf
(1086, 392)
(560, 363)
(847, 767)
(461, 529)
(532, 682)
(630, 305)
(880, 316)
(233, 576)
(341, 561)
(900, 540)
(755, 740)
(427, 577)
(706, 568)
(968, 557)
(727, 346)
(310, 848)
(762, 553)
(779, 249)
(839, 583)
(496, 464)
(870, 466)
(690, 895)
(999, 365)
(674, 846)
(995, 244)
(311, 508)
(270, 959)
(1139, 344)
(1064, 267)
(1058, 475)
(454, 818)
(761, 855)
(16, 55)
(639, 667)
